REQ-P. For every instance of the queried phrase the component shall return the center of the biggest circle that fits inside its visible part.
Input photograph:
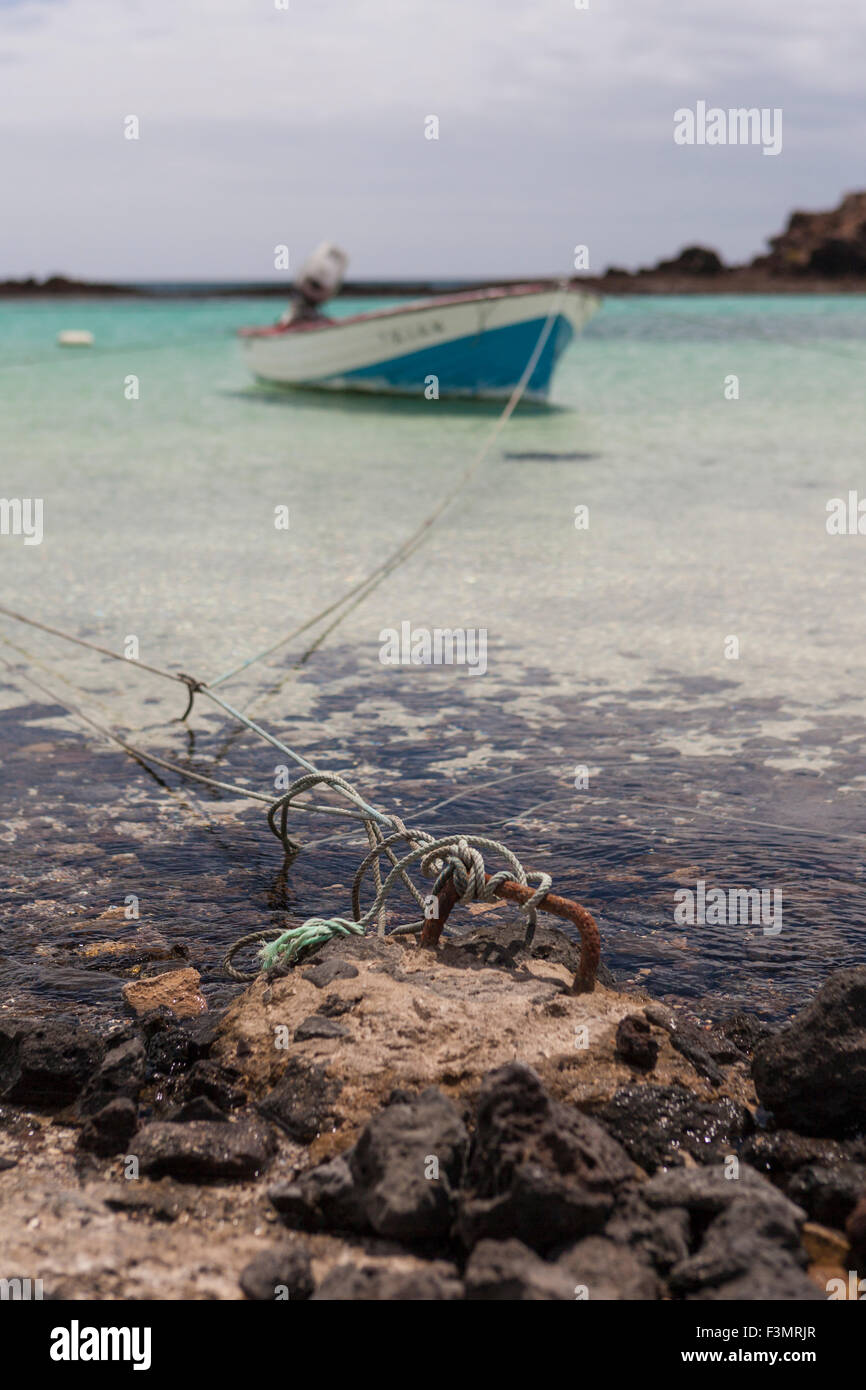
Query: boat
(475, 343)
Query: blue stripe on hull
(488, 363)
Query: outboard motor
(318, 280)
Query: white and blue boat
(477, 343)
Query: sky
(261, 127)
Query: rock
(110, 1129)
(658, 1125)
(812, 1073)
(705, 1048)
(691, 1042)
(200, 1108)
(122, 1069)
(745, 1031)
(662, 1236)
(783, 1152)
(751, 1250)
(693, 260)
(330, 970)
(507, 1270)
(302, 1102)
(282, 1273)
(751, 1247)
(635, 1043)
(177, 990)
(435, 1018)
(45, 1063)
(539, 1170)
(706, 1192)
(407, 1166)
(169, 1046)
(6, 1163)
(824, 1247)
(335, 1007)
(855, 1230)
(324, 1199)
(121, 1073)
(318, 1027)
(376, 1283)
(828, 1194)
(599, 1268)
(768, 1281)
(821, 243)
(203, 1151)
(144, 947)
(207, 1080)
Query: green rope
(288, 947)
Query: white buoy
(75, 337)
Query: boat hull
(476, 345)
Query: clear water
(606, 645)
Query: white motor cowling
(321, 275)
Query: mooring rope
(456, 857)
(452, 859)
(407, 548)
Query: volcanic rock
(658, 1125)
(203, 1151)
(539, 1170)
(282, 1273)
(812, 1073)
(45, 1063)
(507, 1270)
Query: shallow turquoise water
(606, 645)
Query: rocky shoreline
(817, 253)
(385, 1122)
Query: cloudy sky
(261, 126)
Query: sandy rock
(92, 1238)
(177, 990)
(825, 1246)
(417, 1018)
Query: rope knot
(193, 686)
